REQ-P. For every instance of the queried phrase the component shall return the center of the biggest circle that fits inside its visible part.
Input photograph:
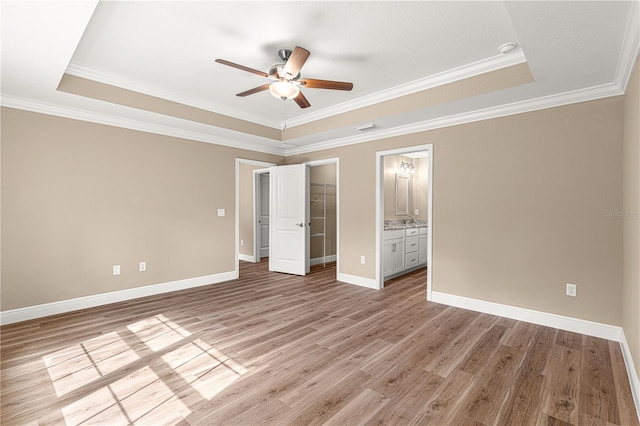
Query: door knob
(301, 225)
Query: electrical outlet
(571, 290)
(363, 260)
(241, 242)
(142, 266)
(221, 212)
(116, 269)
(416, 212)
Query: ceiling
(415, 65)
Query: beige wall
(79, 197)
(324, 174)
(631, 218)
(518, 208)
(420, 188)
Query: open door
(289, 215)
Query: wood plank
(623, 394)
(485, 399)
(563, 385)
(597, 388)
(525, 397)
(481, 352)
(360, 410)
(442, 407)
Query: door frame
(257, 174)
(380, 211)
(336, 161)
(236, 244)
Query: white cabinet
(393, 252)
(403, 250)
(422, 246)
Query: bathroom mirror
(402, 194)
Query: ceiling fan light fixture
(284, 90)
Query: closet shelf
(321, 197)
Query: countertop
(394, 225)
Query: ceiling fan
(286, 77)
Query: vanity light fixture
(407, 167)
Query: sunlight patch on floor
(81, 364)
(140, 397)
(158, 332)
(204, 367)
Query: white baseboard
(246, 257)
(634, 380)
(320, 260)
(361, 281)
(590, 328)
(53, 308)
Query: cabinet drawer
(411, 244)
(410, 232)
(411, 260)
(423, 230)
(393, 234)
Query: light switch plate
(116, 269)
(220, 212)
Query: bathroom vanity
(404, 248)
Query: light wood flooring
(279, 349)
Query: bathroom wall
(418, 186)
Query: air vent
(367, 127)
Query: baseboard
(634, 380)
(246, 257)
(321, 260)
(590, 328)
(361, 281)
(53, 308)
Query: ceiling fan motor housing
(276, 72)
(284, 54)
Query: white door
(263, 216)
(289, 216)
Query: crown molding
(630, 47)
(110, 120)
(576, 96)
(449, 76)
(104, 78)
(456, 74)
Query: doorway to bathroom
(404, 230)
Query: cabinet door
(387, 258)
(422, 249)
(398, 255)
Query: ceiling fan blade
(325, 84)
(242, 67)
(254, 90)
(302, 101)
(295, 62)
